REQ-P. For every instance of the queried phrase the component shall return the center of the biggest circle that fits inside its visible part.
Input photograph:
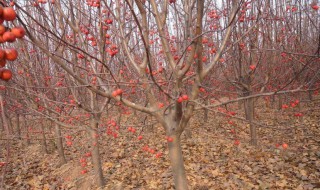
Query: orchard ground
(217, 154)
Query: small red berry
(185, 97)
(284, 146)
(169, 139)
(180, 99)
(237, 142)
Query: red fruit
(109, 21)
(315, 7)
(9, 14)
(3, 62)
(140, 137)
(114, 94)
(237, 142)
(5, 74)
(145, 148)
(80, 56)
(161, 105)
(11, 54)
(18, 32)
(83, 160)
(88, 154)
(68, 137)
(8, 37)
(119, 91)
(130, 129)
(185, 97)
(169, 139)
(2, 54)
(159, 154)
(180, 99)
(202, 89)
(252, 67)
(172, 1)
(1, 10)
(2, 29)
(133, 130)
(152, 151)
(284, 146)
(69, 143)
(84, 171)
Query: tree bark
(27, 131)
(96, 159)
(44, 141)
(18, 127)
(177, 163)
(249, 112)
(60, 145)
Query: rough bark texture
(18, 127)
(96, 155)
(177, 164)
(44, 141)
(60, 145)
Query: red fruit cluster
(298, 114)
(183, 98)
(152, 151)
(2, 164)
(113, 50)
(8, 35)
(285, 106)
(93, 3)
(112, 128)
(131, 129)
(69, 140)
(117, 92)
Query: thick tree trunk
(60, 145)
(177, 164)
(96, 155)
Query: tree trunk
(310, 95)
(206, 111)
(18, 127)
(249, 112)
(177, 163)
(60, 145)
(27, 131)
(280, 102)
(44, 141)
(96, 155)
